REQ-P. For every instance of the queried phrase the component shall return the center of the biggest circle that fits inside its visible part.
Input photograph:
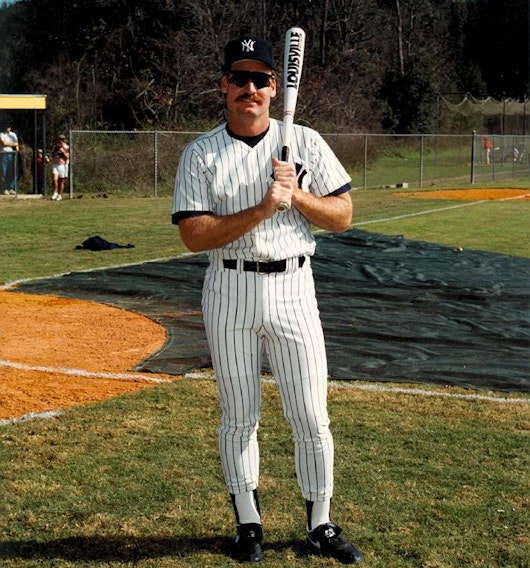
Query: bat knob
(282, 206)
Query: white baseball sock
(246, 507)
(317, 513)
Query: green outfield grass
(421, 481)
(39, 236)
(495, 226)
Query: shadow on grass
(128, 548)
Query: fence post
(421, 158)
(14, 159)
(35, 152)
(155, 157)
(45, 153)
(365, 166)
(71, 164)
(492, 158)
(473, 141)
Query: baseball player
(258, 294)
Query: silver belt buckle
(261, 261)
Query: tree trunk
(323, 25)
(400, 39)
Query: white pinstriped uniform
(247, 313)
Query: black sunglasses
(241, 78)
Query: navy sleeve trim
(340, 191)
(176, 217)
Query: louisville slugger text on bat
(292, 72)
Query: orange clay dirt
(472, 194)
(50, 345)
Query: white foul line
(400, 390)
(459, 206)
(30, 416)
(74, 372)
(334, 384)
(423, 392)
(82, 373)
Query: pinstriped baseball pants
(245, 314)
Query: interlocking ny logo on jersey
(247, 45)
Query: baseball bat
(292, 72)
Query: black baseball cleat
(247, 547)
(326, 541)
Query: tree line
(370, 65)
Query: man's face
(246, 99)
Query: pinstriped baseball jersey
(223, 175)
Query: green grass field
(40, 236)
(421, 481)
(136, 481)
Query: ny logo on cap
(247, 45)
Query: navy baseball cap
(248, 47)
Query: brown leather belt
(262, 267)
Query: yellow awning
(15, 102)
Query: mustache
(249, 98)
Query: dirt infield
(471, 194)
(50, 345)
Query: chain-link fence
(144, 163)
(424, 160)
(125, 162)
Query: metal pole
(473, 141)
(35, 150)
(493, 159)
(365, 167)
(14, 158)
(44, 146)
(70, 164)
(422, 142)
(155, 153)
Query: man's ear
(224, 84)
(274, 88)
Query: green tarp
(392, 310)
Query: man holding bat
(251, 212)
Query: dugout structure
(37, 104)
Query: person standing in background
(60, 161)
(8, 160)
(488, 147)
(39, 170)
